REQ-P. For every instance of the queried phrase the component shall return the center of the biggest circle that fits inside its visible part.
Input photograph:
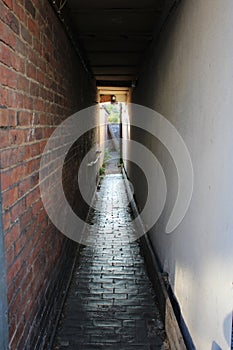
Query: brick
(30, 8)
(28, 102)
(26, 219)
(35, 149)
(24, 151)
(18, 63)
(31, 71)
(4, 137)
(6, 220)
(19, 11)
(17, 136)
(32, 166)
(8, 118)
(108, 268)
(9, 256)
(5, 54)
(9, 157)
(32, 197)
(12, 235)
(37, 46)
(19, 244)
(13, 270)
(33, 27)
(8, 77)
(21, 48)
(3, 99)
(40, 76)
(14, 100)
(6, 181)
(37, 207)
(39, 105)
(34, 88)
(8, 3)
(9, 18)
(24, 118)
(11, 59)
(18, 209)
(24, 187)
(23, 84)
(12, 176)
(26, 35)
(13, 307)
(17, 336)
(26, 281)
(10, 196)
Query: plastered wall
(188, 78)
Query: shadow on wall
(227, 320)
(228, 323)
(215, 346)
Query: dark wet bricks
(111, 303)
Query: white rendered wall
(189, 80)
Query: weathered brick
(7, 36)
(10, 196)
(12, 176)
(4, 137)
(17, 336)
(8, 3)
(10, 256)
(8, 77)
(12, 235)
(35, 149)
(9, 18)
(37, 207)
(19, 244)
(17, 136)
(32, 197)
(32, 26)
(39, 90)
(32, 166)
(24, 187)
(40, 76)
(11, 59)
(13, 270)
(6, 220)
(26, 35)
(31, 71)
(30, 8)
(8, 118)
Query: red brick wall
(43, 82)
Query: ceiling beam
(103, 35)
(117, 11)
(114, 70)
(115, 78)
(114, 83)
(117, 52)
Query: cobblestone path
(111, 303)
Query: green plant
(102, 171)
(106, 156)
(114, 113)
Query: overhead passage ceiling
(115, 34)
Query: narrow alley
(111, 303)
(128, 245)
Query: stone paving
(111, 303)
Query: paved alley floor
(111, 303)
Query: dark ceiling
(114, 34)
